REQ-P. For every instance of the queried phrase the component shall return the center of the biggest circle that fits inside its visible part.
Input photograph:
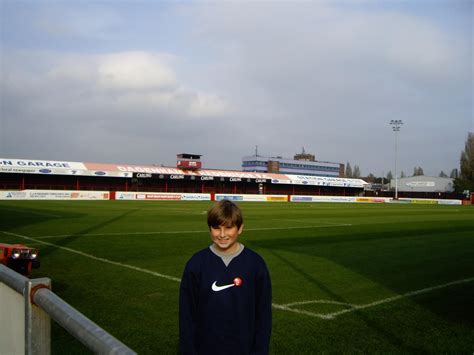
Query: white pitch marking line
(32, 212)
(396, 298)
(117, 233)
(299, 227)
(300, 311)
(98, 258)
(323, 223)
(355, 307)
(318, 301)
(190, 231)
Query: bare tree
(417, 171)
(371, 178)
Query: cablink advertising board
(189, 177)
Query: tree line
(465, 180)
(350, 172)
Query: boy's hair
(226, 213)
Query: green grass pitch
(347, 278)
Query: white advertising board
(347, 199)
(450, 202)
(42, 164)
(421, 184)
(52, 167)
(425, 201)
(54, 195)
(161, 196)
(321, 181)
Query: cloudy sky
(139, 81)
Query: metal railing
(41, 304)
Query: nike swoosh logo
(220, 288)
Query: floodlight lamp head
(396, 124)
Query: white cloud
(131, 81)
(207, 105)
(135, 71)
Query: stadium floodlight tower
(396, 124)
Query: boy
(225, 293)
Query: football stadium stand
(21, 174)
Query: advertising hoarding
(54, 195)
(161, 196)
(252, 198)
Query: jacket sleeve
(187, 312)
(263, 312)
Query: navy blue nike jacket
(218, 317)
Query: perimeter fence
(26, 309)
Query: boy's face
(225, 237)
